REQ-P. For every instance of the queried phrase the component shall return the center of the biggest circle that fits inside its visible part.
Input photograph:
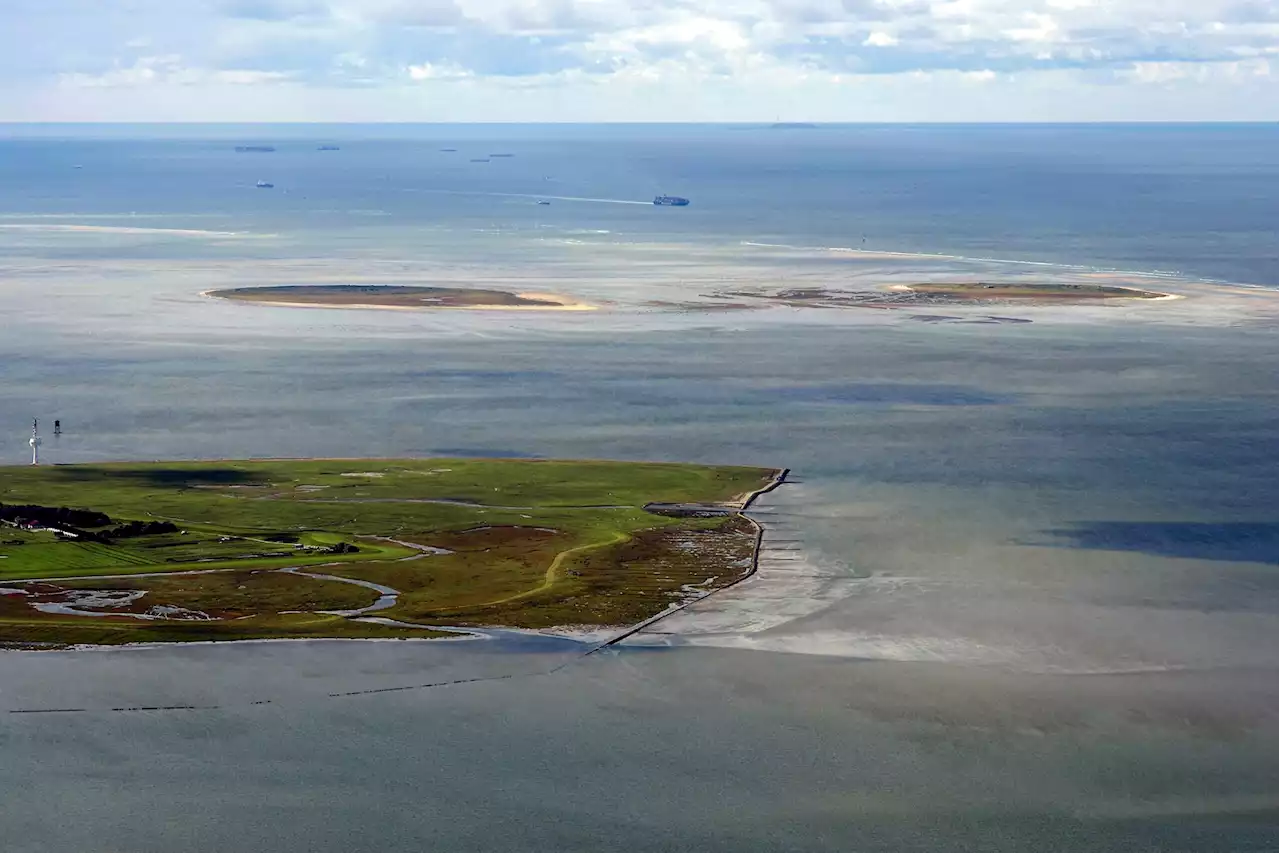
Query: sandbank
(398, 298)
(966, 291)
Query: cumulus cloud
(878, 38)
(328, 43)
(866, 36)
(434, 71)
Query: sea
(1019, 592)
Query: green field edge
(602, 526)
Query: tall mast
(35, 441)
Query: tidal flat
(1020, 593)
(977, 597)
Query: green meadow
(525, 543)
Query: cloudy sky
(637, 60)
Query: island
(117, 553)
(394, 296)
(923, 295)
(968, 291)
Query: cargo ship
(670, 200)
(255, 149)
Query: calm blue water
(1197, 200)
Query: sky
(638, 60)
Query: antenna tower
(35, 442)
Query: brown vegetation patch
(628, 582)
(477, 572)
(925, 294)
(219, 595)
(487, 538)
(982, 291)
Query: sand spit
(562, 303)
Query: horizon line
(767, 122)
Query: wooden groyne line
(779, 477)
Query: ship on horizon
(670, 201)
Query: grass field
(450, 541)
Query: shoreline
(562, 303)
(595, 637)
(779, 477)
(963, 290)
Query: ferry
(265, 185)
(670, 201)
(251, 149)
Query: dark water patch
(990, 320)
(891, 393)
(485, 374)
(993, 321)
(1235, 541)
(1235, 831)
